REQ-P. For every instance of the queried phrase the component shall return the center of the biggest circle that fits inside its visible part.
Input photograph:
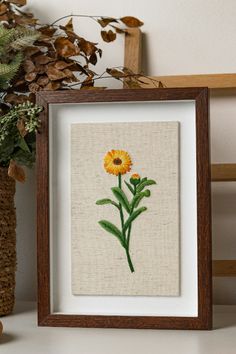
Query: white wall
(180, 37)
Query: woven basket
(7, 243)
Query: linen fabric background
(99, 264)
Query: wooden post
(133, 50)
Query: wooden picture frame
(46, 314)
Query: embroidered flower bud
(147, 193)
(135, 179)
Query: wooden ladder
(219, 172)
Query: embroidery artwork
(125, 209)
(118, 163)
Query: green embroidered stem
(126, 242)
(120, 206)
(129, 261)
(129, 230)
(128, 237)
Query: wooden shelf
(223, 172)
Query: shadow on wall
(224, 220)
(145, 58)
(224, 318)
(224, 242)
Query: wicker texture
(7, 243)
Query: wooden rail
(212, 81)
(223, 172)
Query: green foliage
(144, 184)
(17, 134)
(18, 124)
(138, 197)
(12, 42)
(17, 38)
(6, 37)
(121, 197)
(112, 229)
(8, 71)
(106, 201)
(132, 217)
(138, 192)
(24, 38)
(130, 187)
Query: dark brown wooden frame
(204, 319)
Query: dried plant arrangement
(18, 121)
(36, 57)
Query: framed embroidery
(124, 234)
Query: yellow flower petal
(117, 162)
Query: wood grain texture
(204, 318)
(212, 81)
(224, 268)
(133, 49)
(86, 96)
(43, 224)
(204, 209)
(223, 172)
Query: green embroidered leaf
(112, 229)
(138, 197)
(132, 217)
(143, 179)
(130, 187)
(121, 197)
(142, 185)
(106, 201)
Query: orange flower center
(117, 161)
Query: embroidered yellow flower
(117, 162)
